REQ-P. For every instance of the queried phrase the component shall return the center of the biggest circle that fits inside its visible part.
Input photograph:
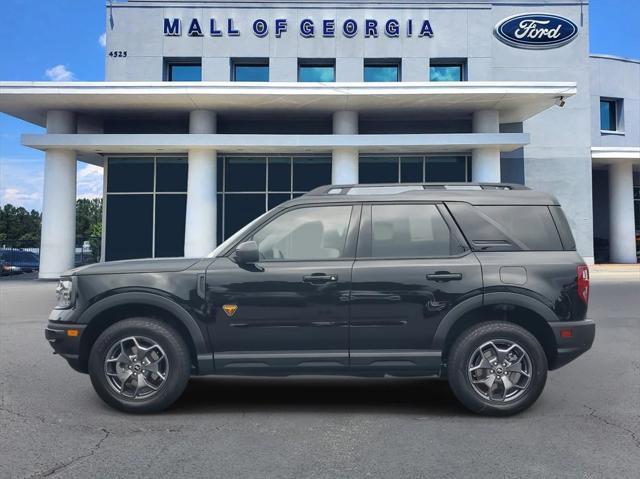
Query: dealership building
(213, 112)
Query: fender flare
(150, 299)
(475, 302)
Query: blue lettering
(213, 30)
(281, 26)
(392, 28)
(231, 31)
(172, 28)
(194, 29)
(349, 28)
(307, 29)
(410, 28)
(328, 28)
(260, 28)
(426, 30)
(370, 28)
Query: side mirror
(247, 253)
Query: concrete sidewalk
(619, 271)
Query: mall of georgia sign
(536, 31)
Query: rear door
(412, 267)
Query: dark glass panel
(185, 72)
(277, 198)
(279, 174)
(381, 73)
(129, 226)
(411, 170)
(130, 175)
(378, 170)
(246, 174)
(309, 173)
(171, 174)
(445, 168)
(220, 172)
(240, 209)
(608, 115)
(251, 73)
(220, 237)
(445, 73)
(170, 219)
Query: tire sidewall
(466, 345)
(168, 339)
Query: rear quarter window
(508, 227)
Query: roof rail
(399, 188)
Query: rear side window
(563, 228)
(508, 228)
(410, 231)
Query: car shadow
(412, 396)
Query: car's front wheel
(139, 365)
(497, 368)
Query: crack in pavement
(61, 466)
(594, 414)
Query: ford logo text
(536, 31)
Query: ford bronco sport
(477, 283)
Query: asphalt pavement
(586, 424)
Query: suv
(477, 283)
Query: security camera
(560, 101)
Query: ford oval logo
(536, 31)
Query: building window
(610, 114)
(447, 70)
(250, 69)
(636, 209)
(414, 168)
(315, 70)
(250, 185)
(146, 207)
(183, 70)
(381, 70)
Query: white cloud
(59, 73)
(102, 40)
(89, 181)
(17, 197)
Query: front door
(290, 310)
(412, 267)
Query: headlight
(64, 292)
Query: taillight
(583, 283)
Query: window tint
(305, 234)
(251, 70)
(410, 231)
(129, 226)
(320, 71)
(171, 174)
(184, 71)
(381, 72)
(608, 115)
(130, 175)
(563, 228)
(452, 72)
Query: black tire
(460, 356)
(172, 344)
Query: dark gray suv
(477, 283)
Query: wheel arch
(118, 307)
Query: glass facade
(381, 72)
(608, 115)
(250, 71)
(146, 207)
(317, 71)
(182, 71)
(446, 72)
(414, 168)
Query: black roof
(473, 193)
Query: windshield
(234, 237)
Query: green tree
(16, 223)
(88, 218)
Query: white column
(58, 233)
(622, 232)
(344, 165)
(486, 161)
(200, 223)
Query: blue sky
(44, 40)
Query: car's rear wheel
(139, 365)
(497, 368)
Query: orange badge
(230, 309)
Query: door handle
(444, 276)
(318, 278)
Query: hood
(156, 265)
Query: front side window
(608, 115)
(305, 234)
(317, 71)
(446, 71)
(184, 71)
(257, 70)
(381, 71)
(410, 231)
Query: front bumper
(582, 334)
(65, 340)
